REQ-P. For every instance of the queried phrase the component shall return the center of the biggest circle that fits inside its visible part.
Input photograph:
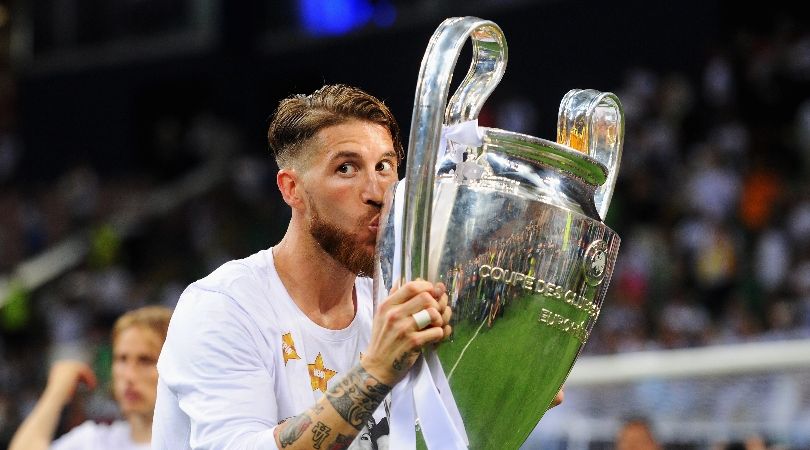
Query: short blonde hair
(155, 318)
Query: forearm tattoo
(293, 429)
(357, 396)
(342, 442)
(319, 433)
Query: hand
(65, 377)
(395, 338)
(558, 399)
(445, 311)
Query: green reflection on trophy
(513, 225)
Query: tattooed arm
(336, 419)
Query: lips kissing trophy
(513, 226)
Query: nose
(127, 371)
(374, 191)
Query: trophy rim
(559, 156)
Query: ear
(289, 182)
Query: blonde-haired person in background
(137, 338)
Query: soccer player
(282, 348)
(137, 337)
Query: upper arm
(215, 364)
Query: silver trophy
(513, 226)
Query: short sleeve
(218, 370)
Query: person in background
(636, 434)
(137, 338)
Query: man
(636, 434)
(136, 340)
(282, 349)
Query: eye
(347, 169)
(384, 166)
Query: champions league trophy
(513, 226)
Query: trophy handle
(593, 122)
(486, 70)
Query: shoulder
(83, 433)
(246, 274)
(234, 286)
(93, 435)
(219, 316)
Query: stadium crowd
(713, 206)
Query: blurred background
(133, 161)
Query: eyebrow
(352, 154)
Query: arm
(219, 375)
(336, 419)
(37, 430)
(395, 343)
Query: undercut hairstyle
(155, 318)
(300, 117)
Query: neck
(140, 428)
(319, 285)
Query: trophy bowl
(512, 225)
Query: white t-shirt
(241, 357)
(97, 436)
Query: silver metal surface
(518, 241)
(487, 68)
(593, 122)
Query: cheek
(333, 207)
(388, 181)
(117, 373)
(334, 188)
(151, 376)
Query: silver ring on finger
(422, 319)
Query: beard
(345, 247)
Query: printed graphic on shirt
(288, 348)
(319, 375)
(373, 436)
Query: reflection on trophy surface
(513, 226)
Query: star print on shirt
(319, 375)
(288, 348)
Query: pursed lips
(375, 222)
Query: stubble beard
(344, 246)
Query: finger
(439, 289)
(409, 290)
(421, 319)
(448, 330)
(427, 336)
(446, 315)
(394, 287)
(436, 319)
(423, 300)
(442, 303)
(88, 377)
(558, 399)
(426, 317)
